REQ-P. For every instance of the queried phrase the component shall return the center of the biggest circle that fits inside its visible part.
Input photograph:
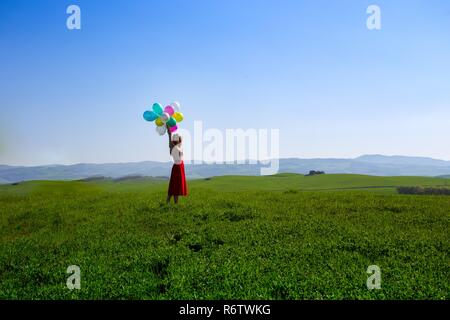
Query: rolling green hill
(288, 181)
(279, 237)
(279, 182)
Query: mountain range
(378, 165)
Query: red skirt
(177, 184)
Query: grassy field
(279, 237)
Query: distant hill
(403, 160)
(83, 171)
(377, 165)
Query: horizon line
(195, 161)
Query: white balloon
(176, 106)
(165, 117)
(161, 130)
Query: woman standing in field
(177, 184)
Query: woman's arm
(170, 139)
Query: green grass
(279, 237)
(332, 182)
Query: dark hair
(177, 142)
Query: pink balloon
(173, 129)
(169, 110)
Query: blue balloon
(150, 115)
(157, 108)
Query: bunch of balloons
(165, 118)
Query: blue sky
(310, 68)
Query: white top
(177, 154)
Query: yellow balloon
(158, 122)
(178, 116)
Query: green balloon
(172, 122)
